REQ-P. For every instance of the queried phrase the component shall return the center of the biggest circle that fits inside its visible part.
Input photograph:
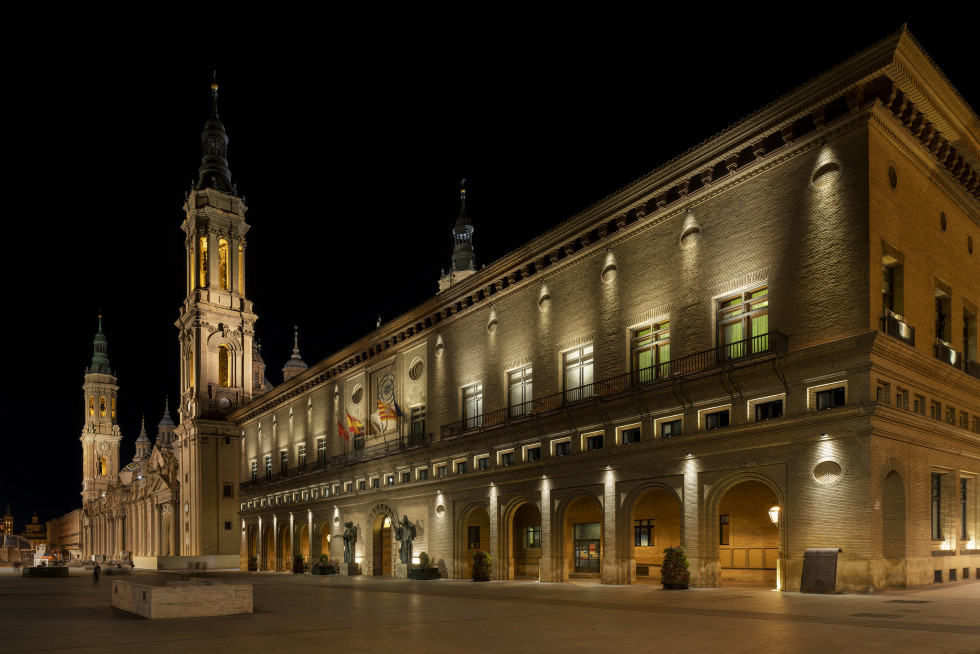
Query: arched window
(223, 264)
(241, 269)
(91, 405)
(101, 467)
(203, 261)
(102, 406)
(223, 367)
(113, 408)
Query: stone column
(545, 571)
(258, 545)
(611, 572)
(309, 530)
(276, 545)
(292, 548)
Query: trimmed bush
(674, 574)
(481, 566)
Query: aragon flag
(385, 412)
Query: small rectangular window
(441, 471)
(361, 485)
(532, 453)
(507, 459)
(593, 443)
(830, 398)
(422, 474)
(226, 490)
(483, 463)
(902, 398)
(631, 435)
(950, 415)
(920, 405)
(670, 428)
(406, 477)
(884, 392)
(563, 448)
(936, 410)
(227, 526)
(716, 419)
(643, 533)
(768, 410)
(390, 480)
(350, 487)
(376, 482)
(460, 467)
(532, 538)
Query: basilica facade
(767, 345)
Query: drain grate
(874, 615)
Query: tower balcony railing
(391, 445)
(895, 326)
(744, 351)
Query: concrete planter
(422, 574)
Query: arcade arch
(653, 522)
(520, 551)
(579, 545)
(743, 535)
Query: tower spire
(214, 172)
(100, 354)
(463, 256)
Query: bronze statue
(405, 533)
(350, 538)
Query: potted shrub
(674, 574)
(481, 565)
(298, 564)
(253, 563)
(424, 570)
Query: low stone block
(182, 599)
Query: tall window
(241, 269)
(202, 258)
(578, 374)
(301, 454)
(650, 348)
(418, 420)
(255, 469)
(963, 508)
(520, 391)
(102, 406)
(268, 465)
(723, 530)
(113, 408)
(321, 450)
(943, 322)
(743, 322)
(283, 461)
(473, 406)
(937, 506)
(473, 536)
(223, 264)
(223, 367)
(91, 405)
(892, 296)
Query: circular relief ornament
(225, 403)
(386, 388)
(415, 372)
(827, 472)
(357, 395)
(440, 510)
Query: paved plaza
(294, 613)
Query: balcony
(298, 471)
(893, 325)
(391, 446)
(733, 354)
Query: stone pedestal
(349, 569)
(401, 571)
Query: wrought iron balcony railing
(771, 343)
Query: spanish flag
(385, 412)
(354, 425)
(342, 431)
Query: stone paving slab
(297, 614)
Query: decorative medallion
(386, 388)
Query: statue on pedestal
(405, 534)
(350, 539)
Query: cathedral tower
(100, 432)
(215, 334)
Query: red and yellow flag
(354, 425)
(342, 431)
(385, 412)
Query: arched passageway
(521, 552)
(748, 541)
(655, 521)
(473, 535)
(893, 530)
(268, 550)
(582, 538)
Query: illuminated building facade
(782, 320)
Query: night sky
(348, 141)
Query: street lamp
(774, 513)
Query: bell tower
(215, 335)
(100, 431)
